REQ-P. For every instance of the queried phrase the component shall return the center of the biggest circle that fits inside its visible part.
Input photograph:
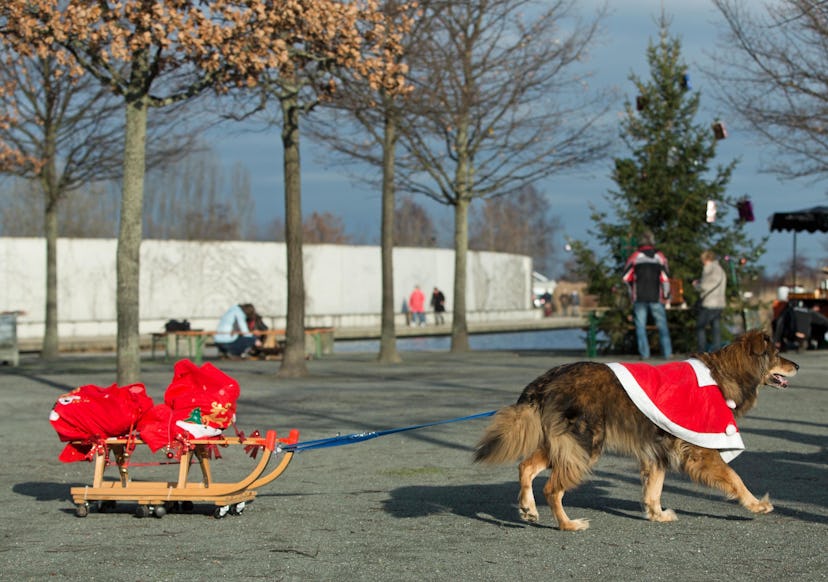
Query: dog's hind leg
(707, 466)
(652, 483)
(554, 496)
(569, 465)
(527, 471)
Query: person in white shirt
(233, 337)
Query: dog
(567, 417)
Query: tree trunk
(388, 338)
(459, 328)
(463, 184)
(48, 180)
(129, 242)
(50, 349)
(293, 360)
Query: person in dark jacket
(438, 304)
(647, 276)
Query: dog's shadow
(497, 503)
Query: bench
(9, 352)
(318, 341)
(194, 340)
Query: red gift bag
(205, 392)
(199, 402)
(92, 413)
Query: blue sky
(628, 28)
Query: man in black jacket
(648, 278)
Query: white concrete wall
(199, 280)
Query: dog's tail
(514, 433)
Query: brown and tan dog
(567, 417)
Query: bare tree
(271, 231)
(520, 224)
(64, 124)
(498, 104)
(325, 228)
(18, 216)
(413, 225)
(155, 55)
(194, 200)
(362, 124)
(772, 71)
(357, 41)
(71, 126)
(151, 56)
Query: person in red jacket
(416, 304)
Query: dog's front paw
(529, 514)
(761, 506)
(663, 516)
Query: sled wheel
(81, 510)
(159, 511)
(142, 511)
(221, 511)
(186, 506)
(105, 506)
(237, 508)
(172, 506)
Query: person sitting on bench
(233, 337)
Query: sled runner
(160, 497)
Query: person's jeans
(238, 346)
(713, 318)
(640, 311)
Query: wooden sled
(159, 497)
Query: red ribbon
(253, 450)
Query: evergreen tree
(665, 185)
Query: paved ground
(411, 505)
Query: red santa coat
(683, 399)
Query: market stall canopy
(810, 220)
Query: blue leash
(349, 439)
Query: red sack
(158, 427)
(206, 393)
(200, 402)
(91, 413)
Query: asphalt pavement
(408, 505)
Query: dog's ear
(759, 342)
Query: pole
(794, 265)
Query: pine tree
(664, 185)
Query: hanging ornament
(641, 102)
(745, 208)
(711, 211)
(672, 156)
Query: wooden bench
(319, 341)
(171, 341)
